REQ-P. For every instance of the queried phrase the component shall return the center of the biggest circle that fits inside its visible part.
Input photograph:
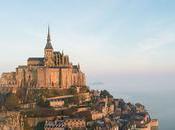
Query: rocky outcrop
(11, 120)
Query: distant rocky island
(50, 93)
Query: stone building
(76, 123)
(58, 101)
(53, 70)
(8, 82)
(67, 123)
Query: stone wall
(32, 122)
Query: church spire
(48, 44)
(48, 34)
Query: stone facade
(54, 70)
(75, 123)
(95, 115)
(69, 123)
(58, 101)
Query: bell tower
(48, 52)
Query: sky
(130, 42)
(124, 46)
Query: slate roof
(36, 59)
(48, 45)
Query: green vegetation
(42, 103)
(66, 102)
(2, 99)
(84, 89)
(21, 94)
(40, 126)
(9, 101)
(72, 90)
(35, 95)
(105, 93)
(154, 128)
(40, 112)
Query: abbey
(53, 70)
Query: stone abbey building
(54, 70)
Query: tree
(52, 93)
(42, 103)
(105, 93)
(84, 89)
(40, 126)
(66, 102)
(2, 99)
(72, 90)
(21, 93)
(11, 101)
